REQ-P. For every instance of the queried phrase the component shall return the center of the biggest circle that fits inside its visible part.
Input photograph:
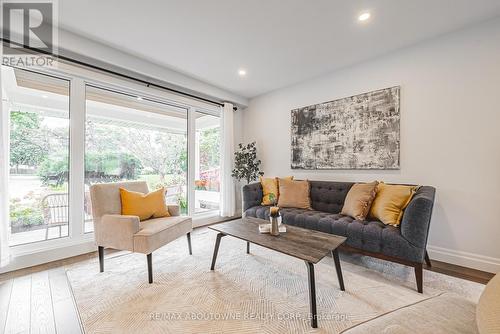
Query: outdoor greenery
(209, 149)
(27, 144)
(159, 153)
(114, 151)
(24, 216)
(246, 164)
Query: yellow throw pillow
(390, 202)
(145, 206)
(270, 189)
(294, 194)
(359, 200)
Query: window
(207, 163)
(38, 107)
(131, 138)
(69, 128)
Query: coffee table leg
(216, 250)
(312, 294)
(248, 247)
(335, 255)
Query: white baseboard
(29, 260)
(464, 259)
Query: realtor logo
(28, 25)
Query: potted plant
(246, 164)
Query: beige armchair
(113, 230)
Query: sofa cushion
(296, 217)
(370, 236)
(444, 314)
(488, 308)
(329, 196)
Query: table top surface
(305, 244)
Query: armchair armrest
(174, 209)
(117, 231)
(417, 217)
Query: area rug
(261, 292)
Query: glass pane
(129, 138)
(207, 163)
(38, 107)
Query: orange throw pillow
(359, 200)
(145, 206)
(390, 202)
(270, 189)
(294, 194)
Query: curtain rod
(95, 67)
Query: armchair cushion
(117, 231)
(146, 206)
(157, 232)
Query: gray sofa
(405, 244)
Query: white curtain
(228, 207)
(4, 177)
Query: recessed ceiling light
(364, 16)
(242, 72)
(44, 96)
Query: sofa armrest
(174, 209)
(417, 217)
(117, 231)
(251, 195)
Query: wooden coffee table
(308, 245)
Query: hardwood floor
(460, 272)
(39, 299)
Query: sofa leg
(150, 267)
(419, 277)
(427, 259)
(100, 249)
(189, 243)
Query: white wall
(450, 138)
(89, 51)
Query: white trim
(465, 259)
(191, 159)
(48, 254)
(208, 218)
(76, 158)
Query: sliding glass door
(116, 131)
(207, 163)
(133, 138)
(38, 107)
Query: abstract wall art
(357, 132)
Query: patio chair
(55, 211)
(113, 230)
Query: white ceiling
(278, 42)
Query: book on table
(266, 228)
